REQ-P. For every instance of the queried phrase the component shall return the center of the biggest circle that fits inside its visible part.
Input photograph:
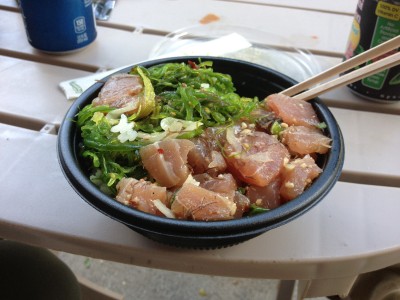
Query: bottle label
(388, 11)
(387, 27)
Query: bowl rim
(80, 182)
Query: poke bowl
(170, 217)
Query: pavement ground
(140, 283)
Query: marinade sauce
(374, 23)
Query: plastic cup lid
(243, 43)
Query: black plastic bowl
(250, 80)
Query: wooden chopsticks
(357, 74)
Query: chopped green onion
(276, 128)
(321, 125)
(255, 210)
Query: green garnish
(147, 101)
(107, 154)
(181, 94)
(276, 128)
(190, 92)
(321, 125)
(255, 210)
(242, 190)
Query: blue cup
(59, 26)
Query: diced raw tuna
(223, 184)
(206, 155)
(292, 111)
(140, 194)
(202, 160)
(121, 90)
(266, 196)
(254, 157)
(166, 161)
(306, 140)
(297, 175)
(242, 205)
(196, 203)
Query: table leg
(381, 284)
(285, 289)
(325, 287)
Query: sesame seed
(289, 167)
(246, 132)
(234, 154)
(289, 185)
